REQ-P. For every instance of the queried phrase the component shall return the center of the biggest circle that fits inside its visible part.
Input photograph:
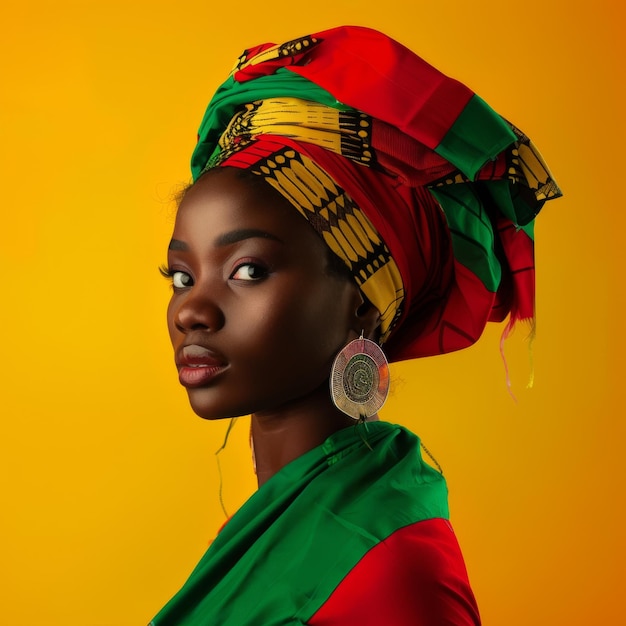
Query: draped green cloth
(280, 557)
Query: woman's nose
(196, 310)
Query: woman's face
(255, 317)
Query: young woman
(347, 196)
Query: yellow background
(109, 483)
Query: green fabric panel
(232, 94)
(514, 200)
(529, 229)
(477, 135)
(284, 552)
(471, 231)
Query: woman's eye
(249, 271)
(181, 280)
(178, 279)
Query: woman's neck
(282, 435)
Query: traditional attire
(428, 196)
(349, 533)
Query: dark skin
(257, 315)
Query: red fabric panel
(416, 577)
(520, 255)
(410, 89)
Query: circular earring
(359, 379)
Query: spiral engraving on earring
(359, 380)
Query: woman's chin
(211, 412)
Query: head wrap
(425, 192)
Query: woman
(418, 202)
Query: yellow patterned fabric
(344, 227)
(347, 133)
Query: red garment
(416, 577)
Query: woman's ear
(368, 319)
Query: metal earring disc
(359, 379)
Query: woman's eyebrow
(229, 238)
(176, 244)
(234, 236)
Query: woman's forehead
(222, 204)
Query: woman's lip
(197, 365)
(192, 376)
(195, 354)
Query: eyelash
(166, 272)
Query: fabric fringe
(506, 333)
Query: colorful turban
(424, 191)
